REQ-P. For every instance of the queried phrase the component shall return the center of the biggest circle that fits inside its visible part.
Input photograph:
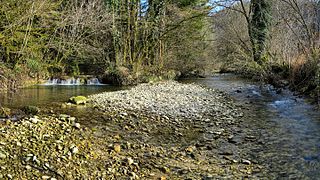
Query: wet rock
(78, 100)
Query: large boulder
(78, 100)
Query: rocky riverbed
(165, 130)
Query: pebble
(247, 162)
(165, 169)
(130, 161)
(72, 118)
(74, 150)
(172, 99)
(34, 120)
(3, 155)
(181, 108)
(134, 175)
(77, 125)
(45, 177)
(190, 149)
(117, 148)
(19, 143)
(162, 178)
(226, 152)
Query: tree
(258, 26)
(257, 14)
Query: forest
(133, 41)
(130, 39)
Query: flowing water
(73, 81)
(287, 127)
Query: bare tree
(257, 14)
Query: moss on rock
(78, 100)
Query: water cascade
(73, 81)
(93, 81)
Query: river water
(47, 95)
(287, 127)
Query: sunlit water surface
(288, 125)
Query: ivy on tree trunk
(259, 27)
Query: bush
(34, 66)
(119, 76)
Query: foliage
(61, 37)
(25, 28)
(160, 38)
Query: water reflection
(46, 95)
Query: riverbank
(193, 125)
(152, 131)
(302, 79)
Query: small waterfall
(53, 81)
(73, 81)
(93, 81)
(69, 81)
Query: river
(286, 127)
